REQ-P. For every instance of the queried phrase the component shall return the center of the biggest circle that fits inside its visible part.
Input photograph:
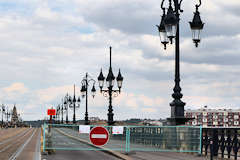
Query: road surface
(20, 144)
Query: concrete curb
(114, 153)
(38, 147)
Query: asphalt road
(79, 155)
(63, 142)
(112, 144)
(31, 151)
(15, 146)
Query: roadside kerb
(38, 146)
(106, 150)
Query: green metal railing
(133, 138)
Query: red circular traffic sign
(99, 136)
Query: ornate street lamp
(74, 103)
(3, 112)
(196, 26)
(66, 104)
(58, 109)
(171, 25)
(110, 92)
(62, 109)
(162, 31)
(8, 114)
(84, 91)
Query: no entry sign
(51, 112)
(99, 136)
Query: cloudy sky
(48, 45)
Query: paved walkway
(164, 156)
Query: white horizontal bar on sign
(98, 136)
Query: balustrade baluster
(235, 144)
(229, 143)
(211, 148)
(206, 141)
(211, 133)
(215, 142)
(202, 139)
(222, 143)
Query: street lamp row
(5, 112)
(74, 103)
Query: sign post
(50, 112)
(99, 136)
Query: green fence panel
(167, 139)
(44, 139)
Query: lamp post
(74, 103)
(110, 92)
(8, 114)
(84, 91)
(58, 110)
(169, 30)
(3, 112)
(62, 110)
(66, 105)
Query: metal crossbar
(133, 138)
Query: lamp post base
(86, 122)
(111, 123)
(175, 121)
(110, 117)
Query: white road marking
(98, 136)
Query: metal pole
(67, 113)
(74, 103)
(49, 126)
(110, 110)
(110, 57)
(86, 113)
(62, 114)
(177, 105)
(44, 137)
(7, 118)
(2, 116)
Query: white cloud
(15, 88)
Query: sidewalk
(164, 156)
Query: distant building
(94, 118)
(14, 119)
(154, 122)
(133, 121)
(207, 117)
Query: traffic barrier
(123, 138)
